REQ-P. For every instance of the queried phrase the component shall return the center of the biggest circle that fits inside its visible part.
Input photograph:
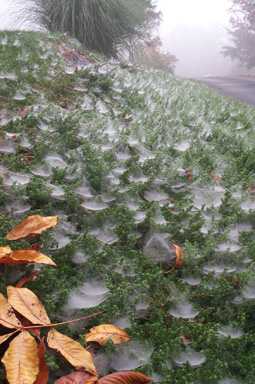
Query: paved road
(239, 88)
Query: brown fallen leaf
(24, 111)
(32, 225)
(5, 251)
(72, 351)
(28, 305)
(26, 256)
(21, 360)
(128, 117)
(77, 378)
(125, 378)
(185, 340)
(43, 375)
(26, 280)
(189, 175)
(179, 257)
(103, 332)
(7, 316)
(35, 90)
(6, 337)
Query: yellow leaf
(101, 333)
(26, 256)
(21, 360)
(5, 251)
(33, 225)
(125, 378)
(27, 303)
(7, 316)
(6, 337)
(72, 351)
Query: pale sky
(192, 12)
(189, 12)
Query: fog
(194, 31)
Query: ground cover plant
(147, 173)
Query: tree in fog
(106, 26)
(242, 33)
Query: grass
(135, 169)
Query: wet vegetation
(132, 161)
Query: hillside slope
(133, 162)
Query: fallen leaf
(217, 178)
(24, 111)
(125, 378)
(179, 257)
(5, 251)
(36, 247)
(103, 332)
(28, 305)
(14, 138)
(6, 337)
(26, 256)
(189, 175)
(32, 225)
(128, 117)
(72, 351)
(185, 340)
(21, 360)
(77, 378)
(26, 280)
(7, 316)
(43, 375)
(34, 90)
(63, 38)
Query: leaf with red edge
(43, 375)
(32, 225)
(26, 280)
(77, 378)
(179, 257)
(125, 378)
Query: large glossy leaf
(7, 316)
(101, 333)
(72, 351)
(26, 256)
(33, 225)
(27, 303)
(21, 360)
(77, 378)
(43, 375)
(125, 378)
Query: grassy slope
(140, 164)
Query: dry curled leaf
(77, 378)
(72, 351)
(43, 375)
(24, 111)
(125, 378)
(28, 305)
(26, 280)
(21, 360)
(103, 332)
(179, 257)
(7, 316)
(32, 225)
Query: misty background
(194, 31)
